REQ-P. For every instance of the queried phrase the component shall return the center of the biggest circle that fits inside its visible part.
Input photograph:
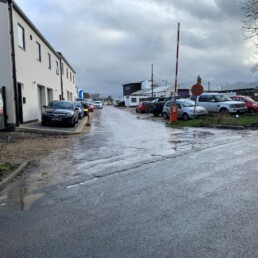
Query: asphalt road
(135, 188)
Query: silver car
(186, 109)
(98, 104)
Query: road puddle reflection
(18, 199)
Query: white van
(219, 103)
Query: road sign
(197, 89)
(80, 93)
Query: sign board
(80, 93)
(197, 89)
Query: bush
(4, 169)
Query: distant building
(146, 94)
(32, 71)
(241, 88)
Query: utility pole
(152, 81)
(177, 53)
(173, 108)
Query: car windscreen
(222, 98)
(249, 99)
(61, 105)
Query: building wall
(135, 100)
(68, 77)
(130, 88)
(36, 78)
(5, 61)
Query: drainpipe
(10, 8)
(61, 76)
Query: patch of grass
(5, 169)
(212, 120)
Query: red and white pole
(173, 110)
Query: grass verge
(5, 169)
(246, 120)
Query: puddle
(18, 202)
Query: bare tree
(250, 23)
(250, 26)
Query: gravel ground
(17, 147)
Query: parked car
(79, 105)
(144, 107)
(219, 103)
(60, 112)
(98, 104)
(252, 105)
(186, 109)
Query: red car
(144, 107)
(251, 105)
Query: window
(57, 67)
(203, 98)
(38, 51)
(73, 78)
(67, 73)
(62, 68)
(21, 36)
(49, 61)
(70, 76)
(133, 100)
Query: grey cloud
(113, 42)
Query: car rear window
(61, 105)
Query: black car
(60, 112)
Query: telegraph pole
(177, 53)
(173, 108)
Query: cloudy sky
(114, 42)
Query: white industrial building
(32, 73)
(136, 97)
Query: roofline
(62, 57)
(25, 17)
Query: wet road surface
(136, 188)
(119, 141)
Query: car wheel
(224, 111)
(185, 117)
(251, 110)
(156, 114)
(165, 115)
(43, 122)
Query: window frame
(49, 61)
(38, 49)
(57, 67)
(21, 37)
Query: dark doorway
(20, 109)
